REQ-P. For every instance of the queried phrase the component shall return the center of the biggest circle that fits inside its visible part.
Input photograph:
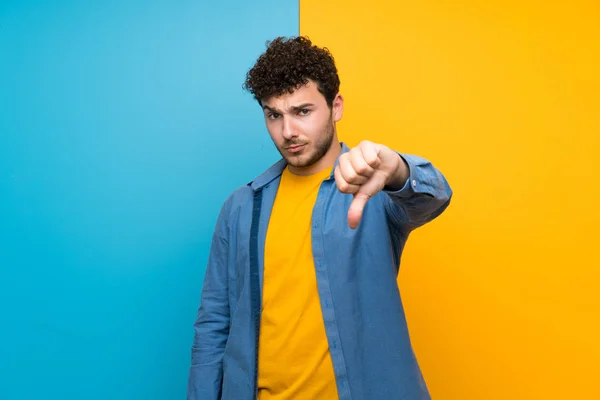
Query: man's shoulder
(240, 195)
(244, 194)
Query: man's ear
(337, 108)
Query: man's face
(301, 125)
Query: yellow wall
(502, 292)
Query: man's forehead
(304, 94)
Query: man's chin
(295, 162)
(299, 161)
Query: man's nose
(289, 130)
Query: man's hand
(364, 171)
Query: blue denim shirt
(357, 284)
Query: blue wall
(123, 127)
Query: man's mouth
(295, 148)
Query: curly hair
(289, 63)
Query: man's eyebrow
(293, 108)
(271, 109)
(302, 106)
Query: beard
(313, 153)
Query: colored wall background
(123, 127)
(502, 292)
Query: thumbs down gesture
(366, 170)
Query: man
(300, 298)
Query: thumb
(369, 189)
(356, 209)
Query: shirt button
(414, 183)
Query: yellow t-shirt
(294, 361)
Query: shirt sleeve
(424, 196)
(211, 327)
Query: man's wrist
(401, 173)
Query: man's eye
(273, 116)
(304, 112)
